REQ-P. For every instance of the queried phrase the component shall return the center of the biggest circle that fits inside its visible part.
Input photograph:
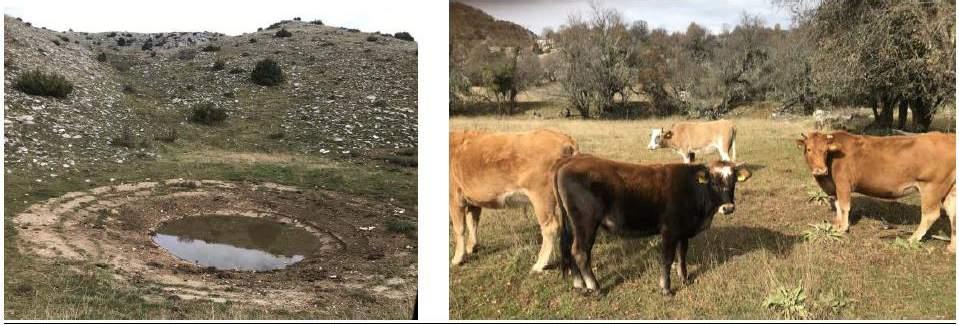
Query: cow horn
(803, 136)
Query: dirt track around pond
(356, 266)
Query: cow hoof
(589, 292)
(667, 292)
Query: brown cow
(886, 168)
(691, 138)
(487, 169)
(676, 201)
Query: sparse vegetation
(168, 135)
(282, 33)
(219, 65)
(267, 73)
(210, 48)
(207, 114)
(39, 83)
(371, 38)
(817, 196)
(317, 22)
(236, 71)
(186, 54)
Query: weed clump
(219, 65)
(210, 48)
(38, 83)
(207, 114)
(267, 73)
(788, 302)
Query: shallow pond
(236, 242)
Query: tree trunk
(885, 116)
(921, 113)
(903, 113)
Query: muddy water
(236, 242)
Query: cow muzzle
(820, 171)
(727, 208)
(652, 147)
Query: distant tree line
(888, 55)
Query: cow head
(720, 178)
(816, 148)
(656, 137)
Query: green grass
(734, 265)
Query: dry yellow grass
(734, 265)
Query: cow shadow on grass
(891, 212)
(716, 246)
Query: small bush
(283, 33)
(317, 22)
(236, 71)
(219, 65)
(252, 40)
(129, 89)
(121, 41)
(245, 54)
(153, 54)
(259, 29)
(276, 135)
(56, 42)
(267, 73)
(64, 38)
(112, 34)
(210, 48)
(403, 36)
(297, 19)
(207, 114)
(371, 38)
(38, 83)
(148, 45)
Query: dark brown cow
(489, 169)
(886, 168)
(676, 201)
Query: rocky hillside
(347, 95)
(470, 26)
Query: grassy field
(759, 253)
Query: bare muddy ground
(360, 264)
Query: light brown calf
(487, 169)
(691, 138)
(886, 168)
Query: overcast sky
(228, 17)
(669, 14)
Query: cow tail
(566, 236)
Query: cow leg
(949, 204)
(931, 205)
(723, 151)
(843, 202)
(458, 218)
(583, 238)
(472, 223)
(682, 248)
(543, 206)
(669, 251)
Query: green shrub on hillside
(210, 48)
(102, 57)
(219, 65)
(267, 73)
(38, 83)
(403, 36)
(283, 33)
(207, 113)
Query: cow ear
(742, 174)
(701, 177)
(801, 143)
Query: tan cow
(886, 168)
(691, 138)
(488, 169)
